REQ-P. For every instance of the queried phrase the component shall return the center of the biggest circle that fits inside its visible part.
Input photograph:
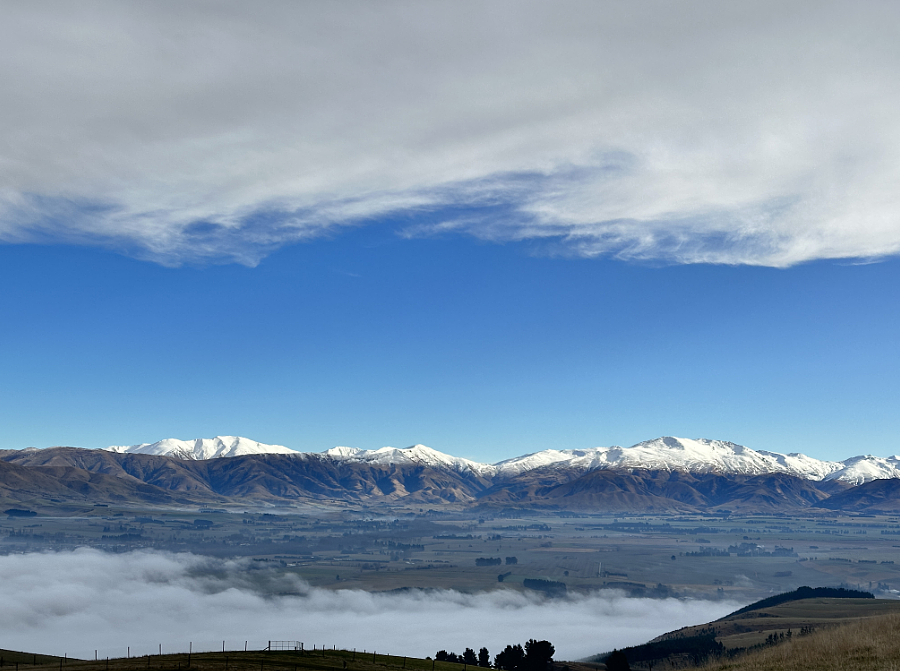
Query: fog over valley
(77, 602)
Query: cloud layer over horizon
(86, 600)
(697, 132)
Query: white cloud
(760, 133)
(86, 600)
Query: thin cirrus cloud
(699, 132)
(79, 602)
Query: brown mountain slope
(267, 476)
(164, 472)
(657, 491)
(874, 496)
(67, 483)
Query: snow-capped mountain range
(666, 453)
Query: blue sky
(492, 228)
(477, 349)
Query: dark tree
(441, 655)
(617, 661)
(469, 657)
(538, 654)
(484, 658)
(488, 561)
(511, 659)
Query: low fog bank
(82, 601)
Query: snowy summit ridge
(417, 454)
(202, 448)
(666, 453)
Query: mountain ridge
(665, 453)
(85, 475)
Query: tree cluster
(806, 593)
(777, 637)
(483, 658)
(551, 587)
(488, 561)
(697, 649)
(533, 656)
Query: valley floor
(737, 558)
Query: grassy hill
(863, 644)
(745, 634)
(319, 660)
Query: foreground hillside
(785, 631)
(252, 660)
(868, 644)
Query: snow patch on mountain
(203, 448)
(420, 455)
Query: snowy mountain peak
(862, 469)
(416, 454)
(341, 453)
(669, 453)
(202, 448)
(666, 453)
